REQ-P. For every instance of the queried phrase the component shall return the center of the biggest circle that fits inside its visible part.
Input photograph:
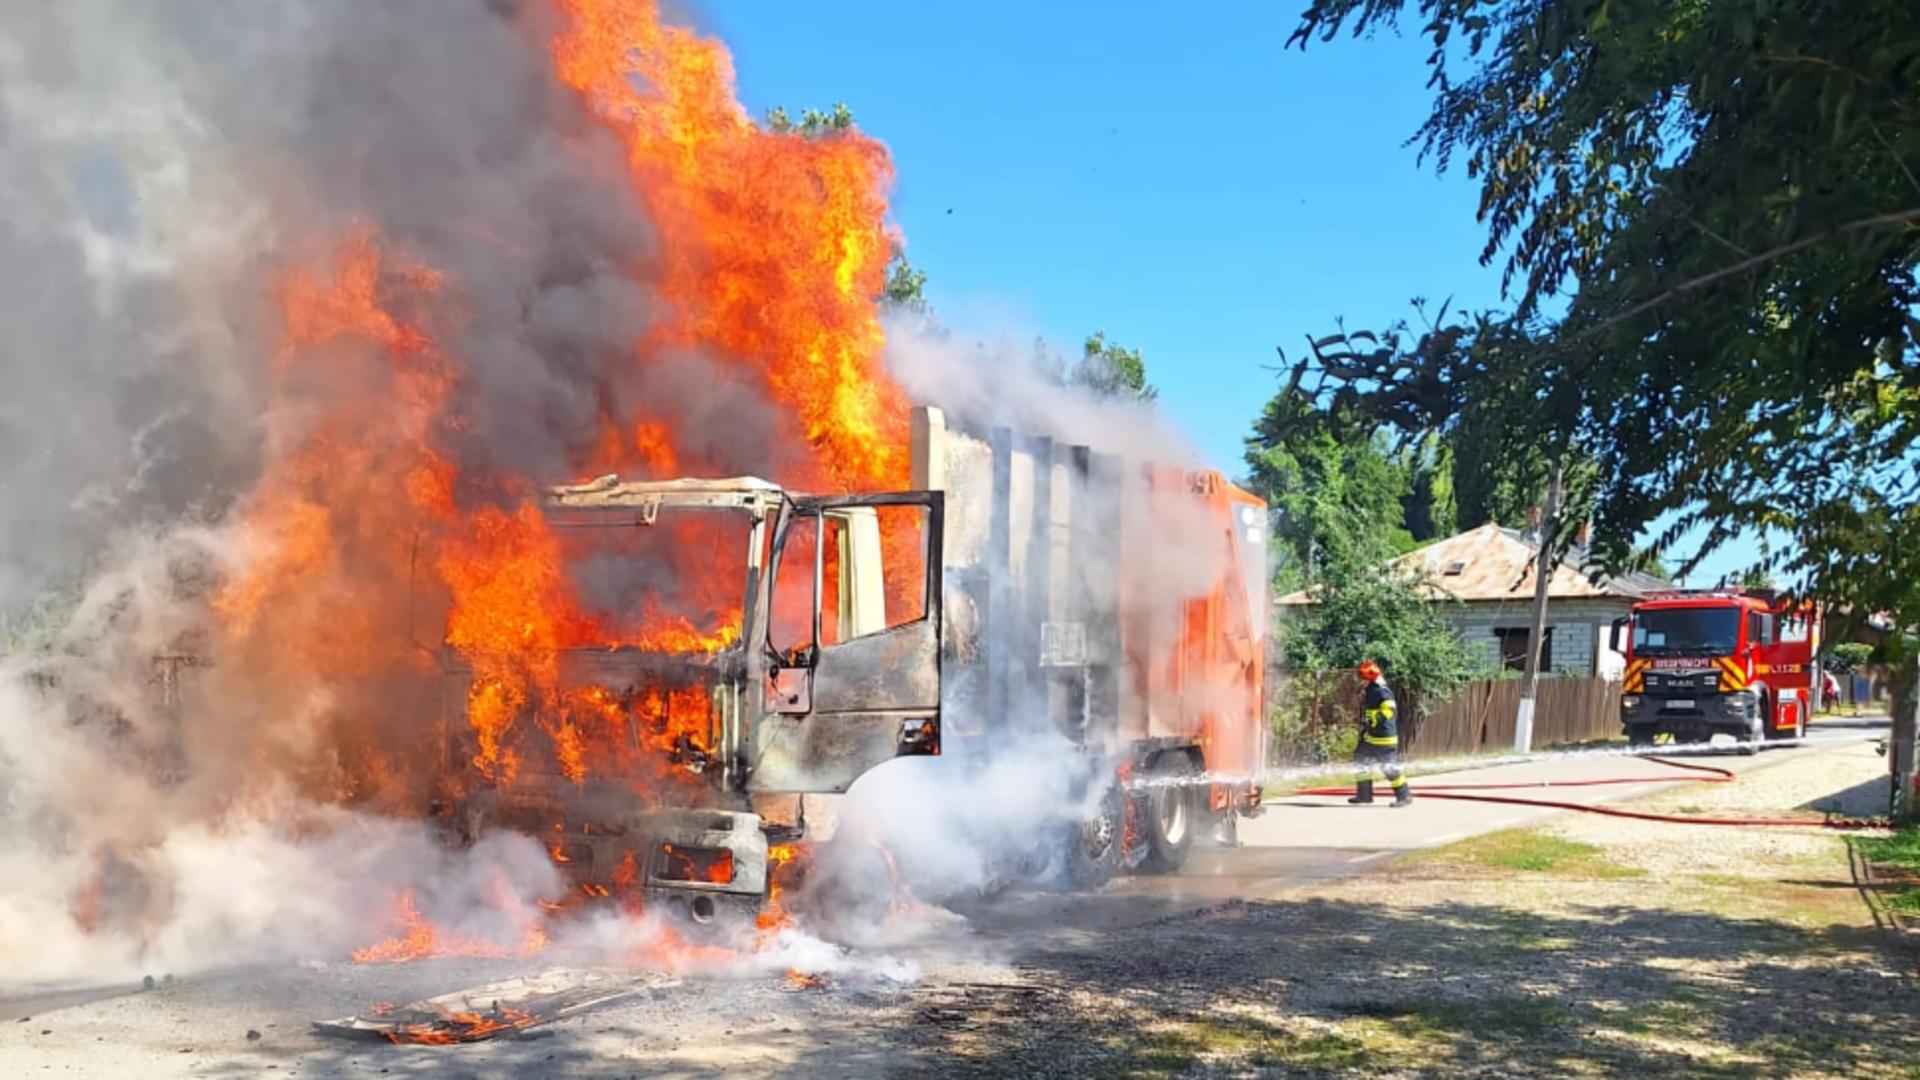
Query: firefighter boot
(1403, 795)
(1362, 792)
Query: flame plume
(771, 255)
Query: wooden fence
(1479, 717)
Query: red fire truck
(1735, 662)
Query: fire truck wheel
(1097, 846)
(1757, 732)
(1170, 813)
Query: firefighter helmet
(1369, 670)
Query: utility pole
(1536, 640)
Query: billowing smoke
(170, 174)
(302, 300)
(1021, 772)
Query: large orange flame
(773, 245)
(771, 256)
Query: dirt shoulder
(1590, 946)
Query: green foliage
(906, 286)
(1365, 609)
(812, 122)
(1728, 193)
(1847, 657)
(1111, 370)
(1336, 494)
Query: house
(1490, 571)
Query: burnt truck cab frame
(1706, 663)
(803, 707)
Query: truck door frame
(822, 715)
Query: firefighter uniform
(1379, 747)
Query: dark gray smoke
(162, 164)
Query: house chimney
(1586, 534)
(1533, 520)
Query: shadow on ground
(1314, 987)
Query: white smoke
(996, 814)
(996, 379)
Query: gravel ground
(1849, 781)
(1592, 946)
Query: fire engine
(1707, 662)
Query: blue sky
(1186, 184)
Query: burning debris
(501, 1008)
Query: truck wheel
(1640, 736)
(1757, 732)
(1171, 814)
(1096, 847)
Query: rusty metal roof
(1495, 563)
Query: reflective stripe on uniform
(1381, 740)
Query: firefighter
(1379, 746)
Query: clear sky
(1182, 182)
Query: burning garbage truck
(1026, 587)
(347, 622)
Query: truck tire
(1172, 813)
(1756, 734)
(1096, 847)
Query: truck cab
(1739, 663)
(693, 748)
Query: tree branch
(1877, 221)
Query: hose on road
(1708, 774)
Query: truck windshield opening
(677, 585)
(1686, 632)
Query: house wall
(1580, 631)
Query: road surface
(256, 1022)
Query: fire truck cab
(1704, 663)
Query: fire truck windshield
(1702, 631)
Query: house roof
(1496, 563)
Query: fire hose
(1709, 774)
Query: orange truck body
(1119, 604)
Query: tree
(1847, 657)
(1336, 494)
(1728, 195)
(1430, 509)
(1111, 370)
(1364, 609)
(906, 286)
(812, 122)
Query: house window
(1513, 648)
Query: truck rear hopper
(1118, 603)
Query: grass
(1531, 852)
(1376, 1035)
(1899, 852)
(1175, 1050)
